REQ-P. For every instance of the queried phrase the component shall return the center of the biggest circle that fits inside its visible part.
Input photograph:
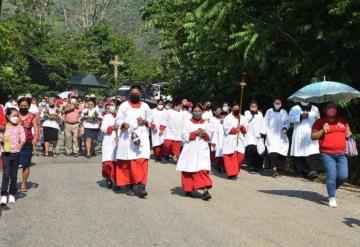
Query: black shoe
(312, 175)
(76, 155)
(109, 184)
(276, 174)
(232, 177)
(252, 171)
(130, 192)
(206, 196)
(88, 156)
(188, 194)
(140, 191)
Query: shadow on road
(102, 183)
(305, 195)
(177, 191)
(351, 222)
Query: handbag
(260, 146)
(351, 149)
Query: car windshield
(124, 92)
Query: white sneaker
(11, 199)
(332, 202)
(3, 200)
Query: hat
(28, 95)
(20, 97)
(92, 96)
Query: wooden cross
(116, 62)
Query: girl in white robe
(109, 143)
(275, 129)
(255, 121)
(158, 126)
(194, 161)
(305, 151)
(234, 142)
(133, 149)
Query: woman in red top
(332, 131)
(28, 121)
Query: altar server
(304, 150)
(158, 126)
(133, 149)
(194, 161)
(109, 142)
(275, 129)
(234, 142)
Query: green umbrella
(88, 81)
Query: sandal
(23, 189)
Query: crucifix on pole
(116, 62)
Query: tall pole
(243, 83)
(1, 2)
(116, 62)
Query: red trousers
(195, 180)
(233, 163)
(172, 147)
(131, 172)
(108, 170)
(158, 151)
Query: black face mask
(254, 112)
(51, 106)
(24, 111)
(236, 112)
(134, 98)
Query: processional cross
(116, 62)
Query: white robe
(158, 119)
(175, 123)
(233, 143)
(302, 145)
(255, 124)
(276, 140)
(126, 150)
(213, 122)
(218, 139)
(195, 155)
(109, 142)
(187, 115)
(207, 115)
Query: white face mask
(225, 109)
(167, 107)
(112, 109)
(160, 107)
(14, 120)
(304, 103)
(43, 104)
(277, 106)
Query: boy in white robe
(133, 147)
(255, 121)
(217, 142)
(275, 128)
(304, 150)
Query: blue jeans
(336, 167)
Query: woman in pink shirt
(12, 141)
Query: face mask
(277, 106)
(160, 107)
(304, 103)
(73, 101)
(24, 111)
(14, 120)
(51, 106)
(236, 112)
(43, 104)
(134, 98)
(225, 108)
(167, 107)
(112, 109)
(197, 116)
(253, 112)
(331, 112)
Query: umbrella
(64, 95)
(325, 91)
(87, 80)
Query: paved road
(68, 205)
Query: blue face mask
(196, 115)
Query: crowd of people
(196, 137)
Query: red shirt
(334, 141)
(27, 123)
(2, 116)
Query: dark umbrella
(88, 81)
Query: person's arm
(36, 130)
(348, 131)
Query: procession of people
(195, 137)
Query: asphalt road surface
(68, 205)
